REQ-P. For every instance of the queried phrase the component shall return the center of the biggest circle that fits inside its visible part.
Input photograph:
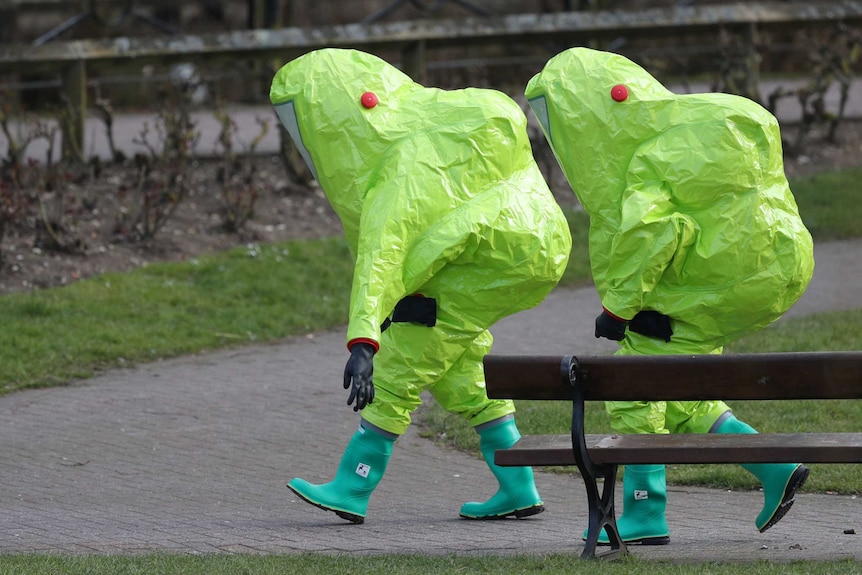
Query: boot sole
(796, 481)
(517, 513)
(352, 517)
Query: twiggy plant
(162, 174)
(832, 65)
(239, 183)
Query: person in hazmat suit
(695, 240)
(452, 228)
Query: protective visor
(539, 105)
(287, 115)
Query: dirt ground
(284, 211)
(94, 213)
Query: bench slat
(766, 376)
(539, 450)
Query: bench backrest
(808, 375)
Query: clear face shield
(287, 115)
(540, 109)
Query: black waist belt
(414, 309)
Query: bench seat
(544, 450)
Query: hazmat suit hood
(592, 136)
(318, 98)
(690, 211)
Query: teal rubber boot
(644, 503)
(361, 469)
(780, 481)
(517, 495)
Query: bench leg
(601, 513)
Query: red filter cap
(369, 100)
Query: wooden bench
(772, 376)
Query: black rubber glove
(610, 327)
(358, 375)
(651, 324)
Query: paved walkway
(192, 456)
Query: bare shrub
(162, 174)
(832, 62)
(238, 183)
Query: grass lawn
(352, 564)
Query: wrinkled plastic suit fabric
(439, 195)
(690, 211)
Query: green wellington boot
(361, 469)
(644, 502)
(517, 495)
(780, 481)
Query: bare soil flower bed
(95, 211)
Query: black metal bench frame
(770, 376)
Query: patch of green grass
(318, 564)
(257, 293)
(834, 331)
(830, 204)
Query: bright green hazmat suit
(439, 195)
(692, 221)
